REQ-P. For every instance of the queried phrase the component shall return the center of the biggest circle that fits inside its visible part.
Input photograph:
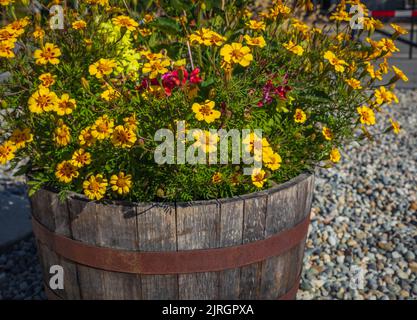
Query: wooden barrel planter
(247, 247)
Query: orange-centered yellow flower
(79, 25)
(126, 22)
(86, 138)
(6, 49)
(355, 84)
(205, 112)
(327, 133)
(339, 65)
(65, 105)
(256, 25)
(66, 171)
(258, 178)
(102, 127)
(95, 187)
(300, 116)
(395, 126)
(216, 178)
(207, 37)
(383, 95)
(102, 67)
(367, 115)
(335, 155)
(294, 48)
(156, 67)
(123, 137)
(20, 137)
(121, 183)
(398, 29)
(42, 100)
(272, 160)
(205, 140)
(7, 152)
(255, 41)
(81, 158)
(236, 53)
(399, 74)
(48, 54)
(47, 79)
(62, 135)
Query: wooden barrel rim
(171, 262)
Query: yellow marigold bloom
(367, 115)
(236, 53)
(6, 49)
(42, 100)
(370, 24)
(20, 137)
(334, 61)
(95, 187)
(81, 158)
(279, 9)
(48, 54)
(86, 138)
(272, 160)
(121, 183)
(205, 140)
(145, 32)
(395, 126)
(123, 137)
(300, 26)
(258, 178)
(399, 74)
(110, 94)
(47, 79)
(131, 122)
(383, 95)
(205, 112)
(256, 25)
(355, 84)
(102, 67)
(6, 2)
(38, 33)
(148, 18)
(156, 67)
(7, 150)
(372, 73)
(65, 105)
(255, 41)
(126, 22)
(335, 155)
(387, 45)
(79, 25)
(217, 178)
(294, 48)
(340, 15)
(252, 141)
(207, 37)
(62, 135)
(327, 133)
(66, 171)
(7, 35)
(17, 27)
(398, 29)
(384, 67)
(103, 3)
(300, 116)
(102, 127)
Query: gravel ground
(363, 236)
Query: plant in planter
(84, 103)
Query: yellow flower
(155, 67)
(399, 74)
(102, 128)
(7, 35)
(255, 41)
(258, 178)
(66, 171)
(373, 74)
(47, 79)
(6, 49)
(48, 54)
(102, 67)
(95, 187)
(216, 178)
(355, 84)
(205, 140)
(334, 61)
(236, 53)
(300, 116)
(327, 133)
(145, 32)
(6, 2)
(65, 105)
(81, 158)
(272, 160)
(121, 183)
(340, 15)
(294, 48)
(86, 138)
(123, 137)
(207, 37)
(110, 94)
(367, 115)
(7, 150)
(205, 112)
(256, 25)
(21, 137)
(383, 95)
(387, 45)
(335, 155)
(252, 141)
(79, 25)
(126, 22)
(38, 33)
(398, 29)
(395, 126)
(62, 135)
(17, 27)
(131, 122)
(42, 100)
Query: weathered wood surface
(174, 227)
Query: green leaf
(167, 25)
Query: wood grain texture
(197, 228)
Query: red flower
(194, 76)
